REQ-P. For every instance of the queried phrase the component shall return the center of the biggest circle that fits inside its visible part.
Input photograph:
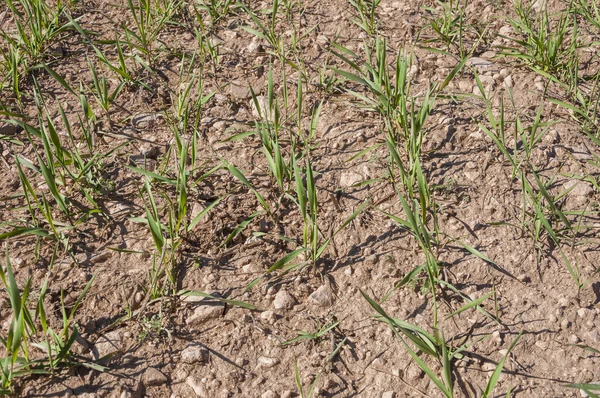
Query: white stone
(268, 316)
(204, 313)
(283, 300)
(349, 178)
(579, 188)
(194, 354)
(480, 63)
(263, 104)
(267, 362)
(321, 297)
(153, 377)
(146, 120)
(109, 343)
(197, 385)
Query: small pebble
(194, 354)
(573, 339)
(153, 377)
(267, 362)
(197, 385)
(284, 300)
(321, 297)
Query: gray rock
(579, 190)
(239, 90)
(388, 394)
(539, 5)
(414, 373)
(269, 394)
(199, 388)
(255, 46)
(267, 362)
(284, 300)
(585, 313)
(153, 377)
(198, 208)
(480, 63)
(146, 121)
(268, 316)
(203, 313)
(81, 346)
(465, 86)
(149, 150)
(321, 297)
(8, 129)
(349, 178)
(252, 268)
(194, 354)
(263, 104)
(109, 343)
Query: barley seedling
(149, 19)
(585, 108)
(38, 25)
(435, 345)
(543, 218)
(322, 330)
(23, 328)
(524, 138)
(547, 47)
(366, 10)
(313, 244)
(267, 32)
(592, 390)
(120, 69)
(402, 114)
(217, 9)
(188, 110)
(269, 130)
(311, 388)
(12, 58)
(589, 9)
(449, 23)
(102, 92)
(208, 49)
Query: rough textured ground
(193, 346)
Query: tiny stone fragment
(239, 91)
(283, 300)
(109, 343)
(197, 385)
(153, 377)
(146, 120)
(194, 354)
(479, 63)
(349, 178)
(268, 316)
(321, 297)
(204, 313)
(267, 362)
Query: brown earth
(189, 346)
